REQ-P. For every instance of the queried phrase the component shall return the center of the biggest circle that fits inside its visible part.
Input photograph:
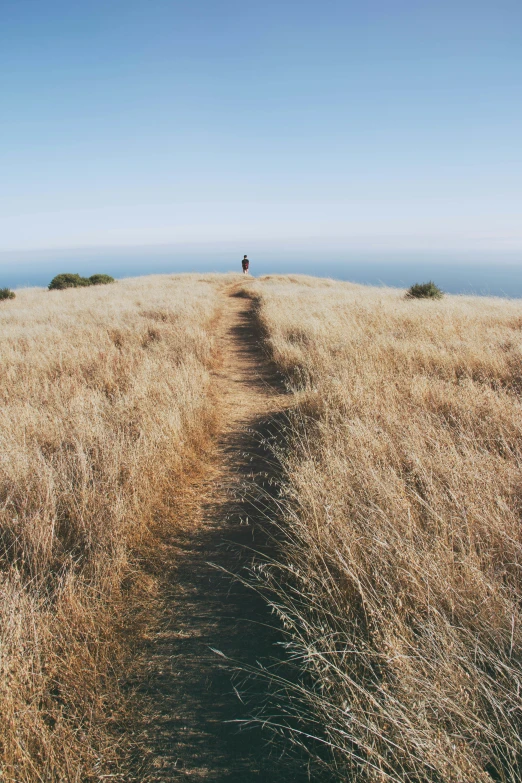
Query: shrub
(6, 293)
(424, 291)
(100, 279)
(68, 280)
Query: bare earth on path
(188, 697)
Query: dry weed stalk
(103, 396)
(400, 585)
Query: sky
(375, 124)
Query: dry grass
(401, 581)
(104, 398)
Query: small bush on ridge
(424, 291)
(6, 293)
(69, 280)
(100, 279)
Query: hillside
(104, 403)
(153, 434)
(399, 580)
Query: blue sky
(383, 124)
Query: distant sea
(482, 275)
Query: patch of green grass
(6, 293)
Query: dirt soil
(191, 702)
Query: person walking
(245, 263)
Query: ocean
(482, 275)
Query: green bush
(100, 279)
(6, 293)
(68, 280)
(424, 291)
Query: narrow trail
(189, 699)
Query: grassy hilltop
(104, 396)
(398, 582)
(401, 578)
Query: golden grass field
(104, 397)
(400, 582)
(399, 578)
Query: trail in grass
(188, 694)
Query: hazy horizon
(497, 274)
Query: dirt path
(189, 698)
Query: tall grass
(103, 396)
(400, 584)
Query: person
(245, 264)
